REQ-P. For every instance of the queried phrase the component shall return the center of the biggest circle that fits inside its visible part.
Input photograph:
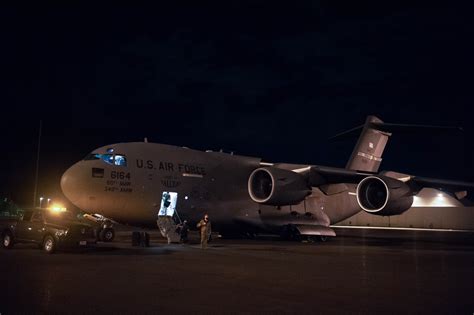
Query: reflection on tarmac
(348, 274)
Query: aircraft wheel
(49, 244)
(7, 240)
(107, 235)
(323, 238)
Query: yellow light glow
(57, 208)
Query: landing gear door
(169, 200)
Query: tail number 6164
(119, 175)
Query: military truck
(49, 229)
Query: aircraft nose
(73, 183)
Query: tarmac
(352, 273)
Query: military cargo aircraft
(138, 183)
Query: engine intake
(277, 187)
(381, 195)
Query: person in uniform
(204, 227)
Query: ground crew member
(204, 227)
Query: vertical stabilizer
(367, 154)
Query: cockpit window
(92, 156)
(120, 160)
(107, 158)
(112, 159)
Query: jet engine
(381, 195)
(277, 187)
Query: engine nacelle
(277, 187)
(381, 195)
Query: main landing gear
(290, 233)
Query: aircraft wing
(440, 183)
(321, 175)
(458, 188)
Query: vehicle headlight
(60, 233)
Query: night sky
(260, 78)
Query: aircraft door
(168, 216)
(169, 201)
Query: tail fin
(367, 154)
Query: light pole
(47, 206)
(41, 201)
(37, 163)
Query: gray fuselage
(216, 183)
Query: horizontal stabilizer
(387, 127)
(399, 128)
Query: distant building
(431, 209)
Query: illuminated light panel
(439, 201)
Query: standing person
(204, 227)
